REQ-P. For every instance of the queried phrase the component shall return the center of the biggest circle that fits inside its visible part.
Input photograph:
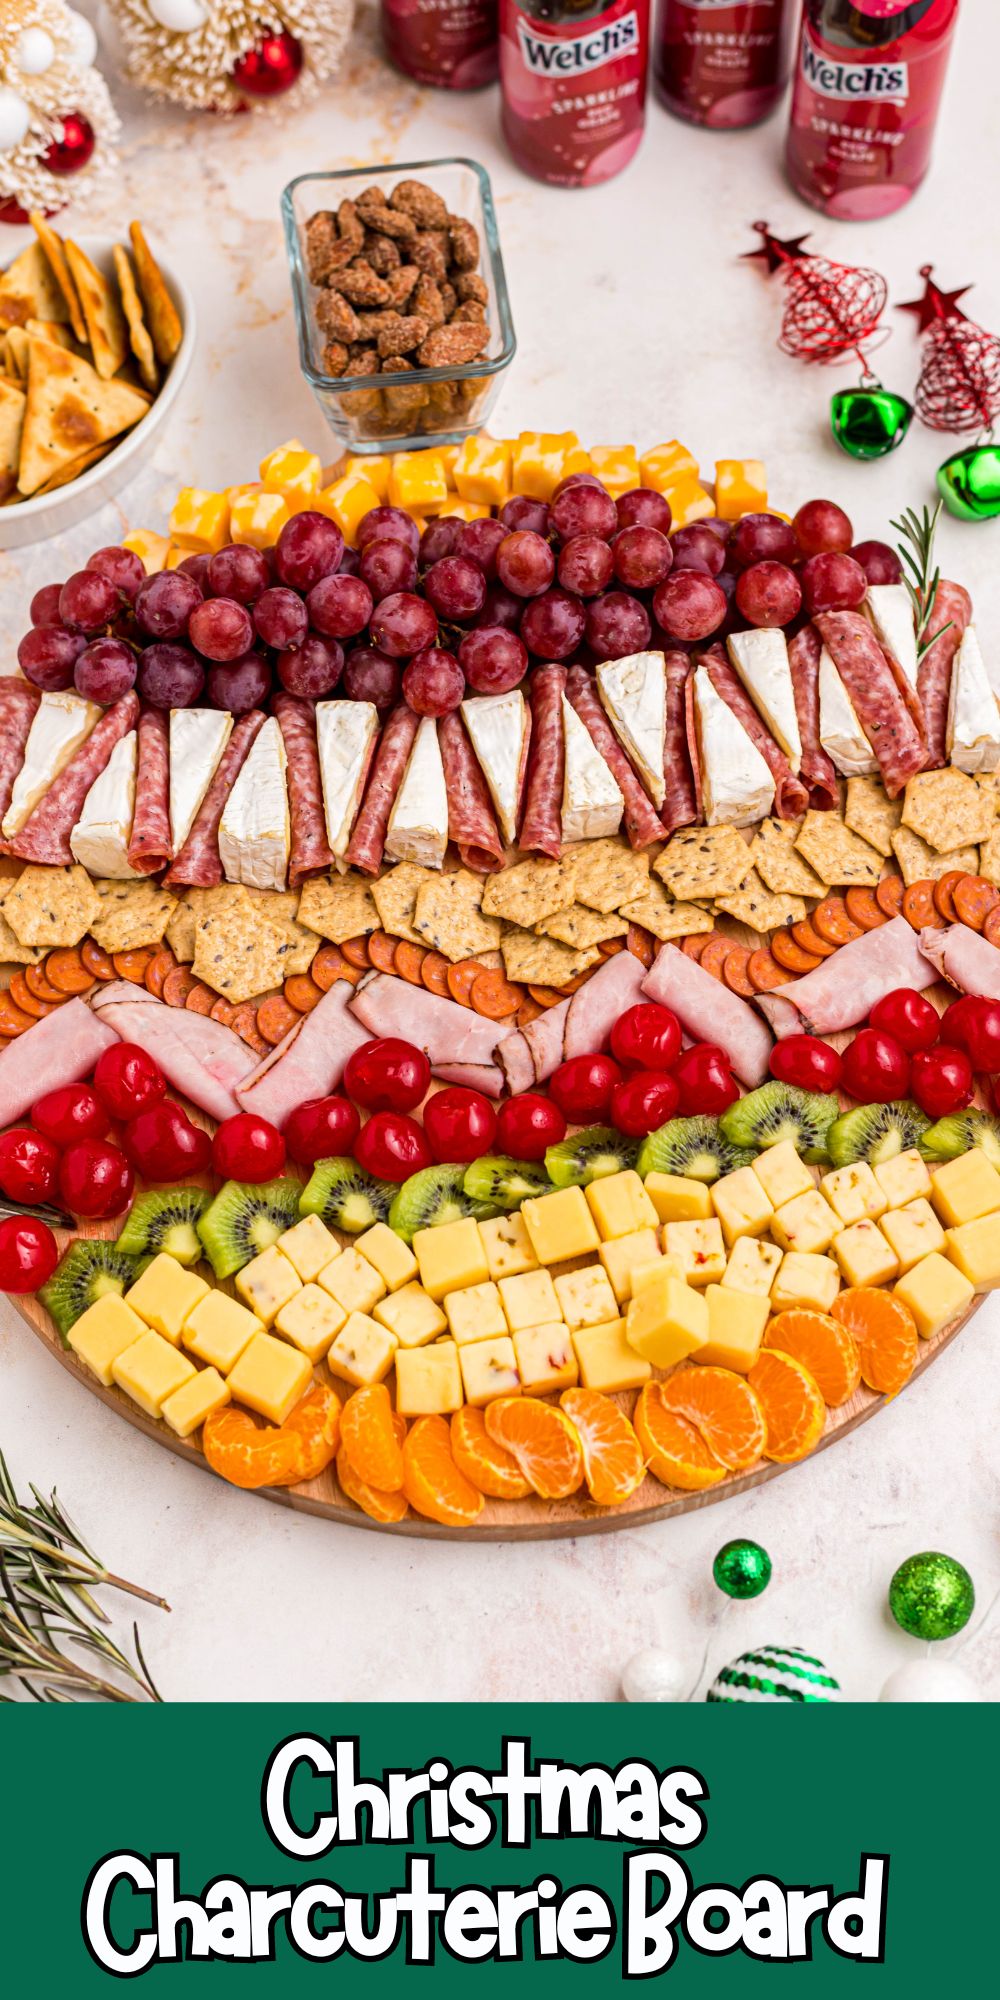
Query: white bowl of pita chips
(96, 340)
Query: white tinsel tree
(46, 78)
(195, 52)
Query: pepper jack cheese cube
(678, 1199)
(416, 479)
(489, 1369)
(310, 1247)
(411, 1316)
(346, 502)
(586, 1297)
(219, 1329)
(256, 519)
(393, 1259)
(914, 1231)
(740, 487)
(782, 1174)
(530, 1300)
(196, 1399)
(270, 1377)
(362, 1352)
(353, 1282)
(560, 1226)
(864, 1255)
(267, 1283)
(199, 521)
(475, 1314)
(150, 1370)
(292, 470)
(450, 1257)
(854, 1193)
(545, 1359)
(903, 1179)
(616, 466)
(975, 1248)
(164, 1294)
(805, 1280)
(429, 1379)
(482, 470)
(507, 1246)
(736, 1323)
(966, 1188)
(936, 1291)
(606, 1359)
(741, 1205)
(621, 1256)
(698, 1248)
(665, 465)
(666, 1321)
(753, 1265)
(104, 1332)
(619, 1204)
(310, 1320)
(807, 1223)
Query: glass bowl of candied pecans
(401, 304)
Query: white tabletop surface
(635, 322)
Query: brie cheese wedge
(840, 732)
(198, 737)
(736, 786)
(498, 731)
(634, 693)
(592, 804)
(254, 832)
(973, 712)
(891, 615)
(345, 732)
(761, 660)
(62, 722)
(100, 837)
(418, 822)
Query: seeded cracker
(278, 908)
(194, 903)
(947, 809)
(700, 862)
(339, 908)
(396, 897)
(236, 953)
(837, 854)
(448, 917)
(581, 928)
(13, 952)
(657, 912)
(755, 905)
(607, 874)
(51, 906)
(871, 814)
(132, 914)
(779, 866)
(989, 858)
(528, 892)
(920, 863)
(542, 961)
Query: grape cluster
(463, 605)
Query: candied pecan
(447, 346)
(350, 225)
(469, 314)
(362, 285)
(324, 250)
(464, 240)
(404, 401)
(469, 285)
(427, 253)
(417, 199)
(335, 357)
(363, 361)
(427, 301)
(336, 317)
(376, 212)
(449, 299)
(401, 335)
(364, 405)
(401, 284)
(369, 323)
(442, 398)
(382, 253)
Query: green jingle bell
(969, 483)
(869, 422)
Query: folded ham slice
(472, 1076)
(515, 1060)
(198, 1056)
(446, 1032)
(594, 1010)
(309, 1062)
(710, 1012)
(843, 990)
(61, 1048)
(545, 1036)
(964, 958)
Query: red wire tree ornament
(830, 309)
(959, 386)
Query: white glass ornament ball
(654, 1675)
(34, 51)
(930, 1680)
(15, 119)
(182, 17)
(83, 38)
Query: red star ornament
(935, 305)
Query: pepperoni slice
(715, 954)
(434, 973)
(831, 920)
(132, 964)
(462, 978)
(546, 996)
(13, 1020)
(244, 1024)
(22, 996)
(863, 909)
(328, 966)
(528, 1011)
(918, 905)
(609, 947)
(408, 959)
(355, 951)
(791, 955)
(810, 940)
(944, 891)
(36, 983)
(692, 947)
(96, 961)
(274, 1019)
(302, 993)
(494, 997)
(177, 985)
(764, 972)
(975, 899)
(381, 951)
(889, 895)
(66, 971)
(574, 985)
(734, 971)
(201, 999)
(640, 944)
(225, 1013)
(991, 928)
(158, 970)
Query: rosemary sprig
(51, 1625)
(921, 574)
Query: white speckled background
(635, 321)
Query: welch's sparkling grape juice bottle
(723, 63)
(865, 101)
(573, 86)
(448, 44)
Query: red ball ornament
(71, 153)
(12, 212)
(271, 68)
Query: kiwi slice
(696, 1147)
(504, 1182)
(83, 1274)
(244, 1219)
(959, 1132)
(780, 1112)
(166, 1222)
(876, 1133)
(588, 1156)
(434, 1196)
(346, 1195)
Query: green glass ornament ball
(742, 1569)
(932, 1596)
(869, 423)
(969, 483)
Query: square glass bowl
(430, 405)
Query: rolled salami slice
(642, 824)
(149, 847)
(817, 769)
(680, 803)
(952, 607)
(691, 739)
(198, 865)
(541, 827)
(790, 795)
(45, 834)
(471, 820)
(309, 850)
(884, 708)
(386, 776)
(18, 703)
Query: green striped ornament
(775, 1673)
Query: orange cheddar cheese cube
(417, 479)
(152, 550)
(616, 466)
(199, 521)
(347, 502)
(540, 459)
(292, 470)
(256, 519)
(689, 502)
(374, 471)
(667, 465)
(483, 469)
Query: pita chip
(161, 313)
(28, 290)
(69, 411)
(106, 329)
(49, 329)
(11, 425)
(138, 332)
(67, 473)
(52, 244)
(17, 353)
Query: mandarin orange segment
(315, 1422)
(794, 1410)
(613, 1465)
(543, 1442)
(369, 1438)
(487, 1466)
(432, 1482)
(675, 1452)
(827, 1349)
(383, 1507)
(886, 1333)
(248, 1452)
(723, 1408)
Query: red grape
(95, 1179)
(247, 1148)
(380, 522)
(642, 557)
(312, 669)
(196, 566)
(821, 525)
(761, 538)
(689, 605)
(520, 512)
(479, 542)
(578, 479)
(47, 656)
(280, 618)
(404, 624)
(584, 510)
(500, 607)
(640, 507)
(242, 686)
(553, 625)
(525, 563)
(456, 587)
(44, 608)
(371, 676)
(492, 660)
(87, 601)
(339, 606)
(164, 604)
(238, 571)
(617, 625)
(387, 566)
(170, 676)
(122, 567)
(29, 1254)
(321, 1129)
(29, 1165)
(696, 547)
(586, 565)
(308, 547)
(221, 629)
(433, 682)
(832, 582)
(880, 563)
(769, 593)
(105, 670)
(440, 538)
(349, 563)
